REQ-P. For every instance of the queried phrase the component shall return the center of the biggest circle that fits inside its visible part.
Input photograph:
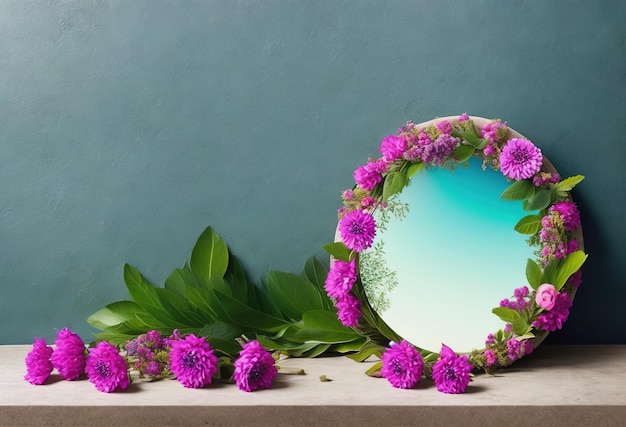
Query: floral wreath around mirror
(555, 231)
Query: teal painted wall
(127, 127)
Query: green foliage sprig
(211, 296)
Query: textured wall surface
(127, 127)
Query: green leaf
(315, 272)
(463, 153)
(209, 256)
(550, 272)
(177, 308)
(368, 349)
(326, 320)
(470, 136)
(506, 314)
(201, 300)
(413, 169)
(338, 250)
(176, 281)
(568, 183)
(293, 294)
(530, 224)
(139, 289)
(244, 315)
(520, 326)
(120, 334)
(570, 265)
(235, 270)
(316, 351)
(374, 370)
(533, 274)
(222, 335)
(540, 200)
(113, 314)
(394, 183)
(350, 346)
(519, 190)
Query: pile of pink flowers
(190, 359)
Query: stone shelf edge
(556, 385)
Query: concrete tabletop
(556, 385)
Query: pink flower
(493, 131)
(563, 249)
(392, 147)
(357, 229)
(368, 202)
(340, 279)
(369, 175)
(349, 310)
(543, 178)
(254, 369)
(490, 355)
(347, 195)
(575, 279)
(38, 365)
(150, 350)
(568, 213)
(520, 159)
(445, 127)
(514, 348)
(528, 347)
(451, 372)
(107, 368)
(553, 319)
(490, 339)
(192, 361)
(545, 297)
(402, 365)
(435, 152)
(69, 356)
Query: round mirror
(450, 248)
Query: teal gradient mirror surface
(455, 255)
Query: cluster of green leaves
(538, 198)
(556, 272)
(211, 296)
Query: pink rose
(545, 297)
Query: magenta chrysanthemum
(553, 319)
(357, 229)
(569, 214)
(107, 368)
(369, 175)
(392, 147)
(38, 364)
(255, 368)
(402, 365)
(68, 357)
(192, 361)
(340, 279)
(520, 159)
(451, 372)
(349, 310)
